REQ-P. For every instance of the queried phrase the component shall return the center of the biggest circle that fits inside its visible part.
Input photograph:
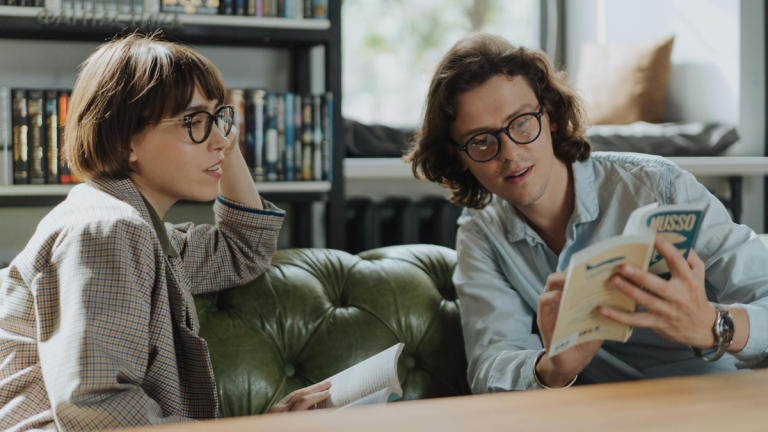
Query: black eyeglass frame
(505, 129)
(188, 120)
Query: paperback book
(587, 284)
(372, 381)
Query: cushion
(623, 84)
(665, 139)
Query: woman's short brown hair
(124, 87)
(470, 63)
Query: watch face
(726, 329)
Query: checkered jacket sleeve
(233, 252)
(94, 300)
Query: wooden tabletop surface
(727, 402)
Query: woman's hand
(677, 309)
(301, 400)
(234, 141)
(558, 371)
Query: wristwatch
(724, 330)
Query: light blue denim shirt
(503, 265)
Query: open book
(587, 285)
(372, 381)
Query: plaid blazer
(98, 328)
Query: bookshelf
(298, 36)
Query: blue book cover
(679, 224)
(290, 145)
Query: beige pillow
(623, 84)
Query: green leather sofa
(316, 312)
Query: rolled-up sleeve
(496, 321)
(736, 262)
(235, 251)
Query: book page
(679, 224)
(587, 287)
(365, 378)
(389, 394)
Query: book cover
(272, 8)
(36, 136)
(239, 7)
(259, 7)
(307, 13)
(306, 138)
(250, 8)
(266, 8)
(52, 137)
(327, 147)
(6, 137)
(320, 9)
(20, 147)
(317, 139)
(65, 177)
(270, 139)
(290, 8)
(280, 167)
(299, 9)
(290, 140)
(298, 139)
(678, 224)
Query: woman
(98, 328)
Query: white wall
(54, 64)
(718, 63)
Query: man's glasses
(200, 123)
(523, 129)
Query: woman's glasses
(200, 123)
(523, 129)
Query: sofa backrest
(316, 312)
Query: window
(392, 47)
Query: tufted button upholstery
(316, 312)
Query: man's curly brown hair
(469, 64)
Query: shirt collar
(125, 190)
(586, 208)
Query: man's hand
(301, 400)
(558, 371)
(677, 309)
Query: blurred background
(330, 93)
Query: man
(505, 133)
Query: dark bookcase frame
(298, 40)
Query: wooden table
(727, 402)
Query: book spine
(239, 7)
(124, 6)
(152, 7)
(64, 175)
(273, 8)
(138, 7)
(320, 9)
(299, 9)
(52, 137)
(20, 129)
(306, 163)
(327, 108)
(290, 8)
(237, 98)
(281, 8)
(259, 173)
(3, 2)
(249, 129)
(290, 139)
(281, 137)
(251, 8)
(36, 136)
(297, 137)
(307, 9)
(259, 5)
(317, 139)
(112, 6)
(270, 141)
(6, 137)
(265, 9)
(226, 7)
